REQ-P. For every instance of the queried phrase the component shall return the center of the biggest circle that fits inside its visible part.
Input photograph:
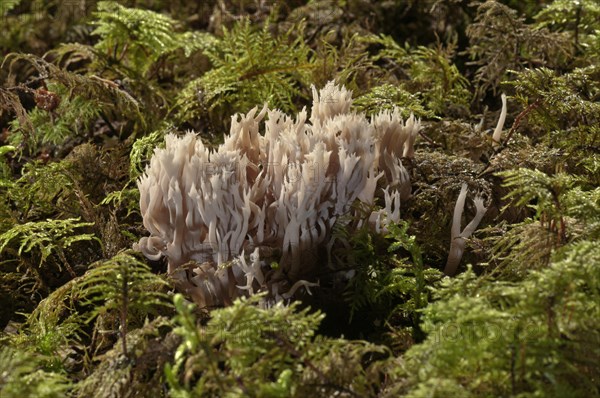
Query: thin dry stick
(520, 117)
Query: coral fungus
(276, 183)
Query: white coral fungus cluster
(276, 185)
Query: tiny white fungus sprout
(500, 125)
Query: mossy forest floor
(88, 90)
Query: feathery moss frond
(47, 237)
(266, 352)
(21, 375)
(143, 148)
(426, 72)
(388, 96)
(125, 285)
(250, 66)
(501, 41)
(139, 38)
(71, 118)
(579, 17)
(538, 335)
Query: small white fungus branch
(458, 239)
(498, 131)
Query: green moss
(90, 89)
